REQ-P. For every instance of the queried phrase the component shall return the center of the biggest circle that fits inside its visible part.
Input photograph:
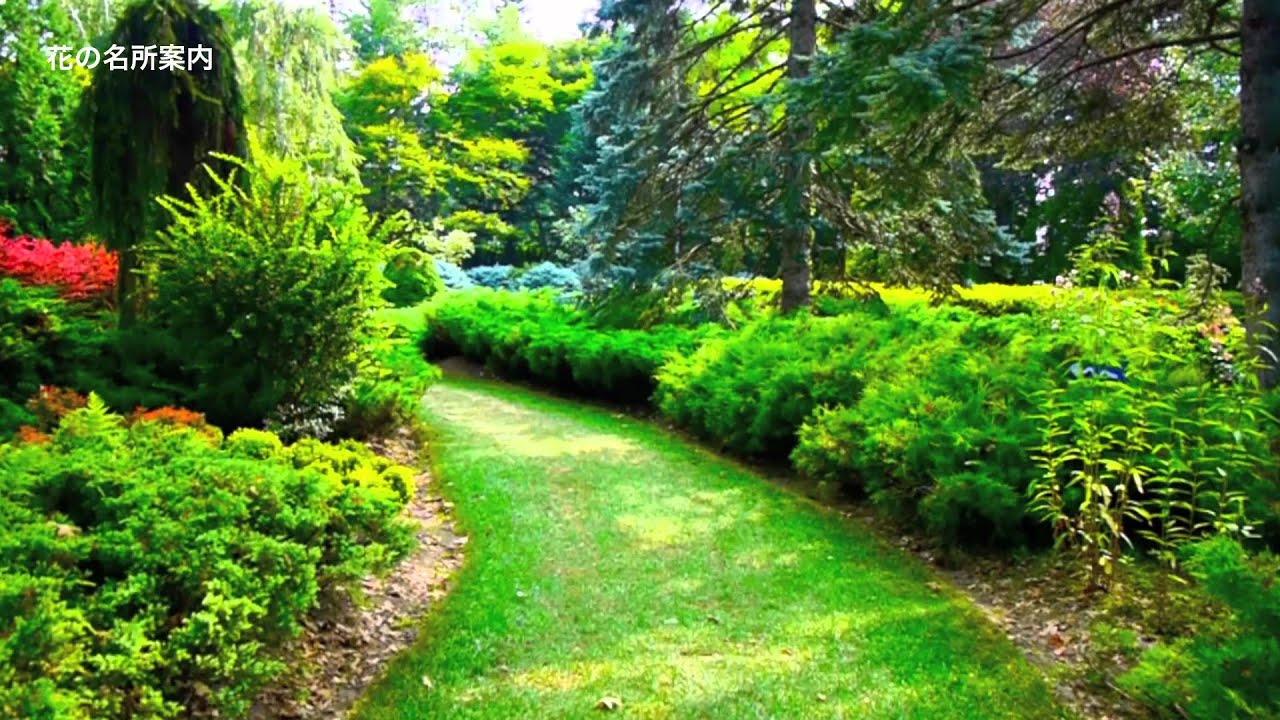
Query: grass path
(607, 558)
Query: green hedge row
(153, 570)
(936, 413)
(531, 336)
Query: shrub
(1225, 672)
(256, 444)
(149, 572)
(85, 272)
(752, 390)
(51, 404)
(45, 340)
(453, 277)
(495, 277)
(549, 275)
(413, 277)
(896, 403)
(531, 336)
(388, 391)
(267, 289)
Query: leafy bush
(85, 272)
(413, 277)
(267, 289)
(496, 277)
(453, 277)
(45, 340)
(1178, 450)
(388, 391)
(549, 275)
(149, 571)
(1229, 671)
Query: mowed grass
(610, 559)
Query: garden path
(614, 568)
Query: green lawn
(608, 558)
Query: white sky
(548, 20)
(554, 20)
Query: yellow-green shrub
(148, 571)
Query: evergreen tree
(43, 156)
(288, 73)
(153, 130)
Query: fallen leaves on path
(345, 645)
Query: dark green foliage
(48, 341)
(894, 403)
(45, 340)
(531, 336)
(152, 130)
(1230, 670)
(150, 572)
(43, 149)
(267, 291)
(752, 390)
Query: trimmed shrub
(549, 275)
(413, 277)
(148, 571)
(494, 277)
(531, 336)
(752, 390)
(453, 277)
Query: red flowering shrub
(52, 403)
(81, 272)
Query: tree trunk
(1260, 171)
(797, 231)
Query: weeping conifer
(152, 129)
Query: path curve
(609, 561)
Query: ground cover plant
(151, 565)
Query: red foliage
(52, 403)
(81, 272)
(170, 416)
(28, 435)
